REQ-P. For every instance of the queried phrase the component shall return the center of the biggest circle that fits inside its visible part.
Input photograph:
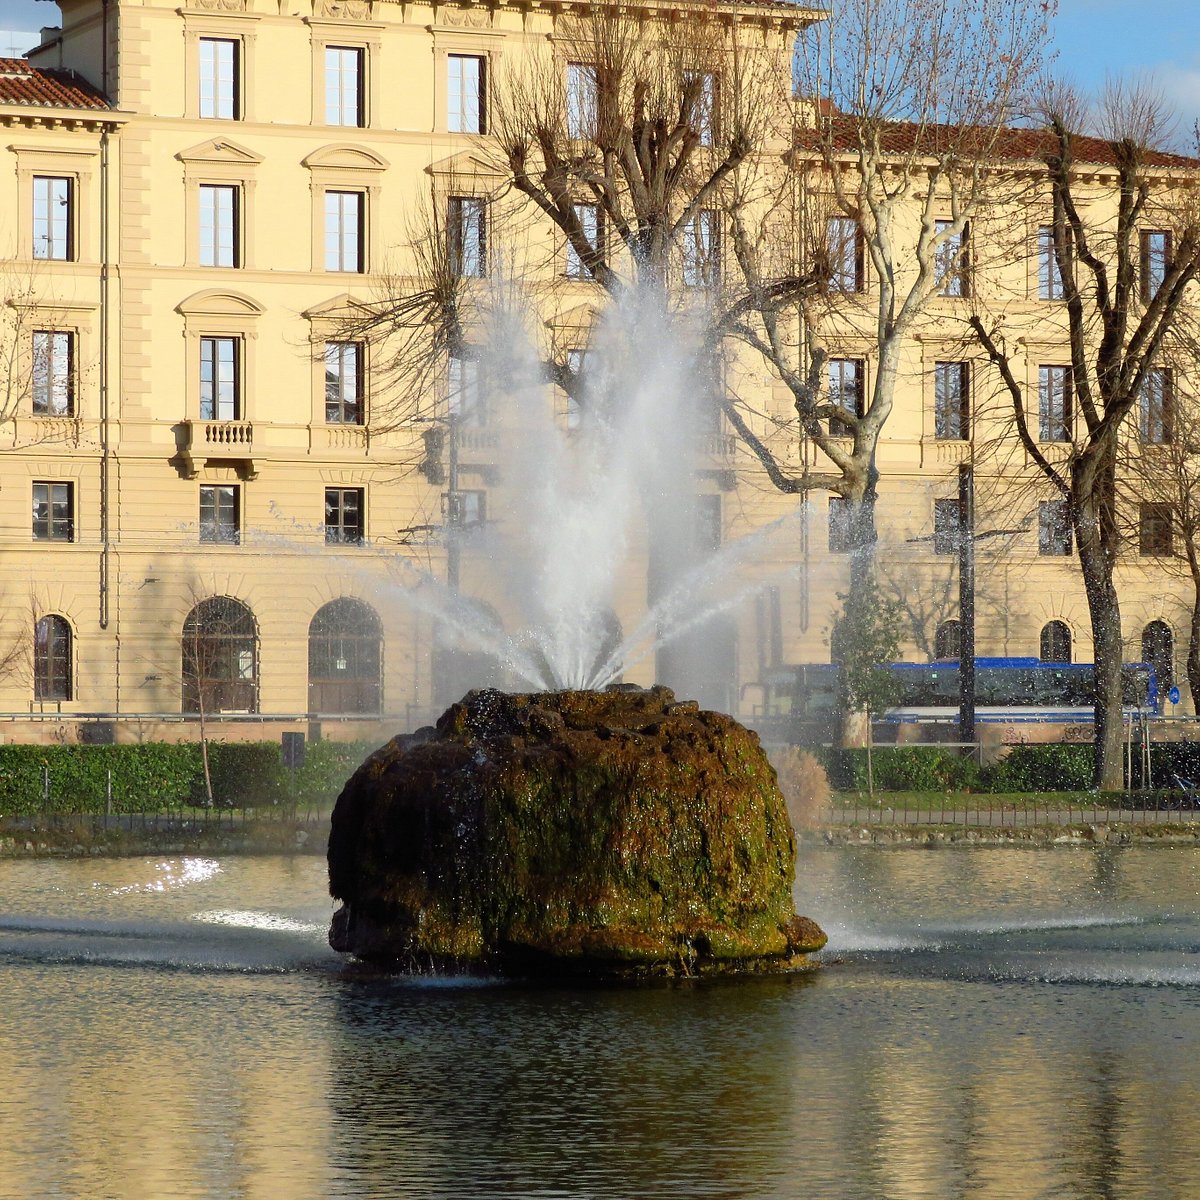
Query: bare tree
(908, 100)
(1126, 249)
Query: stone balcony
(226, 442)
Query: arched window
(1158, 649)
(220, 657)
(1056, 643)
(345, 658)
(52, 659)
(947, 640)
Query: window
(947, 640)
(1055, 404)
(220, 385)
(345, 657)
(577, 365)
(952, 260)
(465, 508)
(52, 659)
(52, 382)
(220, 657)
(700, 88)
(467, 232)
(845, 392)
(708, 523)
(1050, 281)
(219, 218)
(54, 512)
(591, 220)
(1154, 530)
(1156, 407)
(344, 93)
(219, 82)
(1054, 527)
(220, 514)
(53, 217)
(343, 383)
(582, 100)
(952, 401)
(1156, 258)
(701, 249)
(467, 403)
(1055, 644)
(840, 531)
(344, 516)
(844, 247)
(344, 226)
(946, 526)
(466, 107)
(1158, 649)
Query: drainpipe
(105, 447)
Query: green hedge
(155, 776)
(1049, 768)
(903, 769)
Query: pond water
(992, 1023)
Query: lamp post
(453, 506)
(966, 603)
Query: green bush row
(155, 776)
(903, 769)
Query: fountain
(587, 827)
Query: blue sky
(1156, 39)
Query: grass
(963, 801)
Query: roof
(22, 83)
(1012, 143)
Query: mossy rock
(604, 834)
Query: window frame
(333, 56)
(582, 102)
(837, 427)
(947, 525)
(59, 241)
(1156, 531)
(342, 532)
(1151, 273)
(952, 261)
(48, 376)
(341, 244)
(846, 256)
(952, 400)
(461, 232)
(700, 250)
(1056, 537)
(214, 360)
(1050, 283)
(222, 229)
(1156, 413)
(839, 531)
(209, 74)
(1046, 637)
(1048, 419)
(52, 527)
(218, 531)
(459, 107)
(53, 660)
(594, 232)
(335, 394)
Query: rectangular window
(840, 531)
(844, 247)
(702, 250)
(577, 365)
(466, 219)
(582, 100)
(344, 92)
(946, 526)
(952, 260)
(1054, 527)
(1156, 407)
(344, 246)
(220, 514)
(54, 512)
(344, 512)
(1156, 258)
(952, 401)
(465, 508)
(845, 392)
(1050, 281)
(466, 99)
(219, 83)
(343, 383)
(220, 390)
(700, 87)
(467, 403)
(592, 223)
(1154, 531)
(53, 376)
(1055, 404)
(53, 217)
(708, 522)
(219, 213)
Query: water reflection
(200, 1040)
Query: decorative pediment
(338, 308)
(465, 164)
(220, 150)
(580, 318)
(346, 158)
(216, 302)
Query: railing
(237, 435)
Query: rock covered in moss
(607, 834)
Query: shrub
(803, 782)
(905, 769)
(1049, 768)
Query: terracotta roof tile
(1013, 144)
(21, 83)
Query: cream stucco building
(192, 198)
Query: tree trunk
(1193, 654)
(1105, 612)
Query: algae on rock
(599, 833)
